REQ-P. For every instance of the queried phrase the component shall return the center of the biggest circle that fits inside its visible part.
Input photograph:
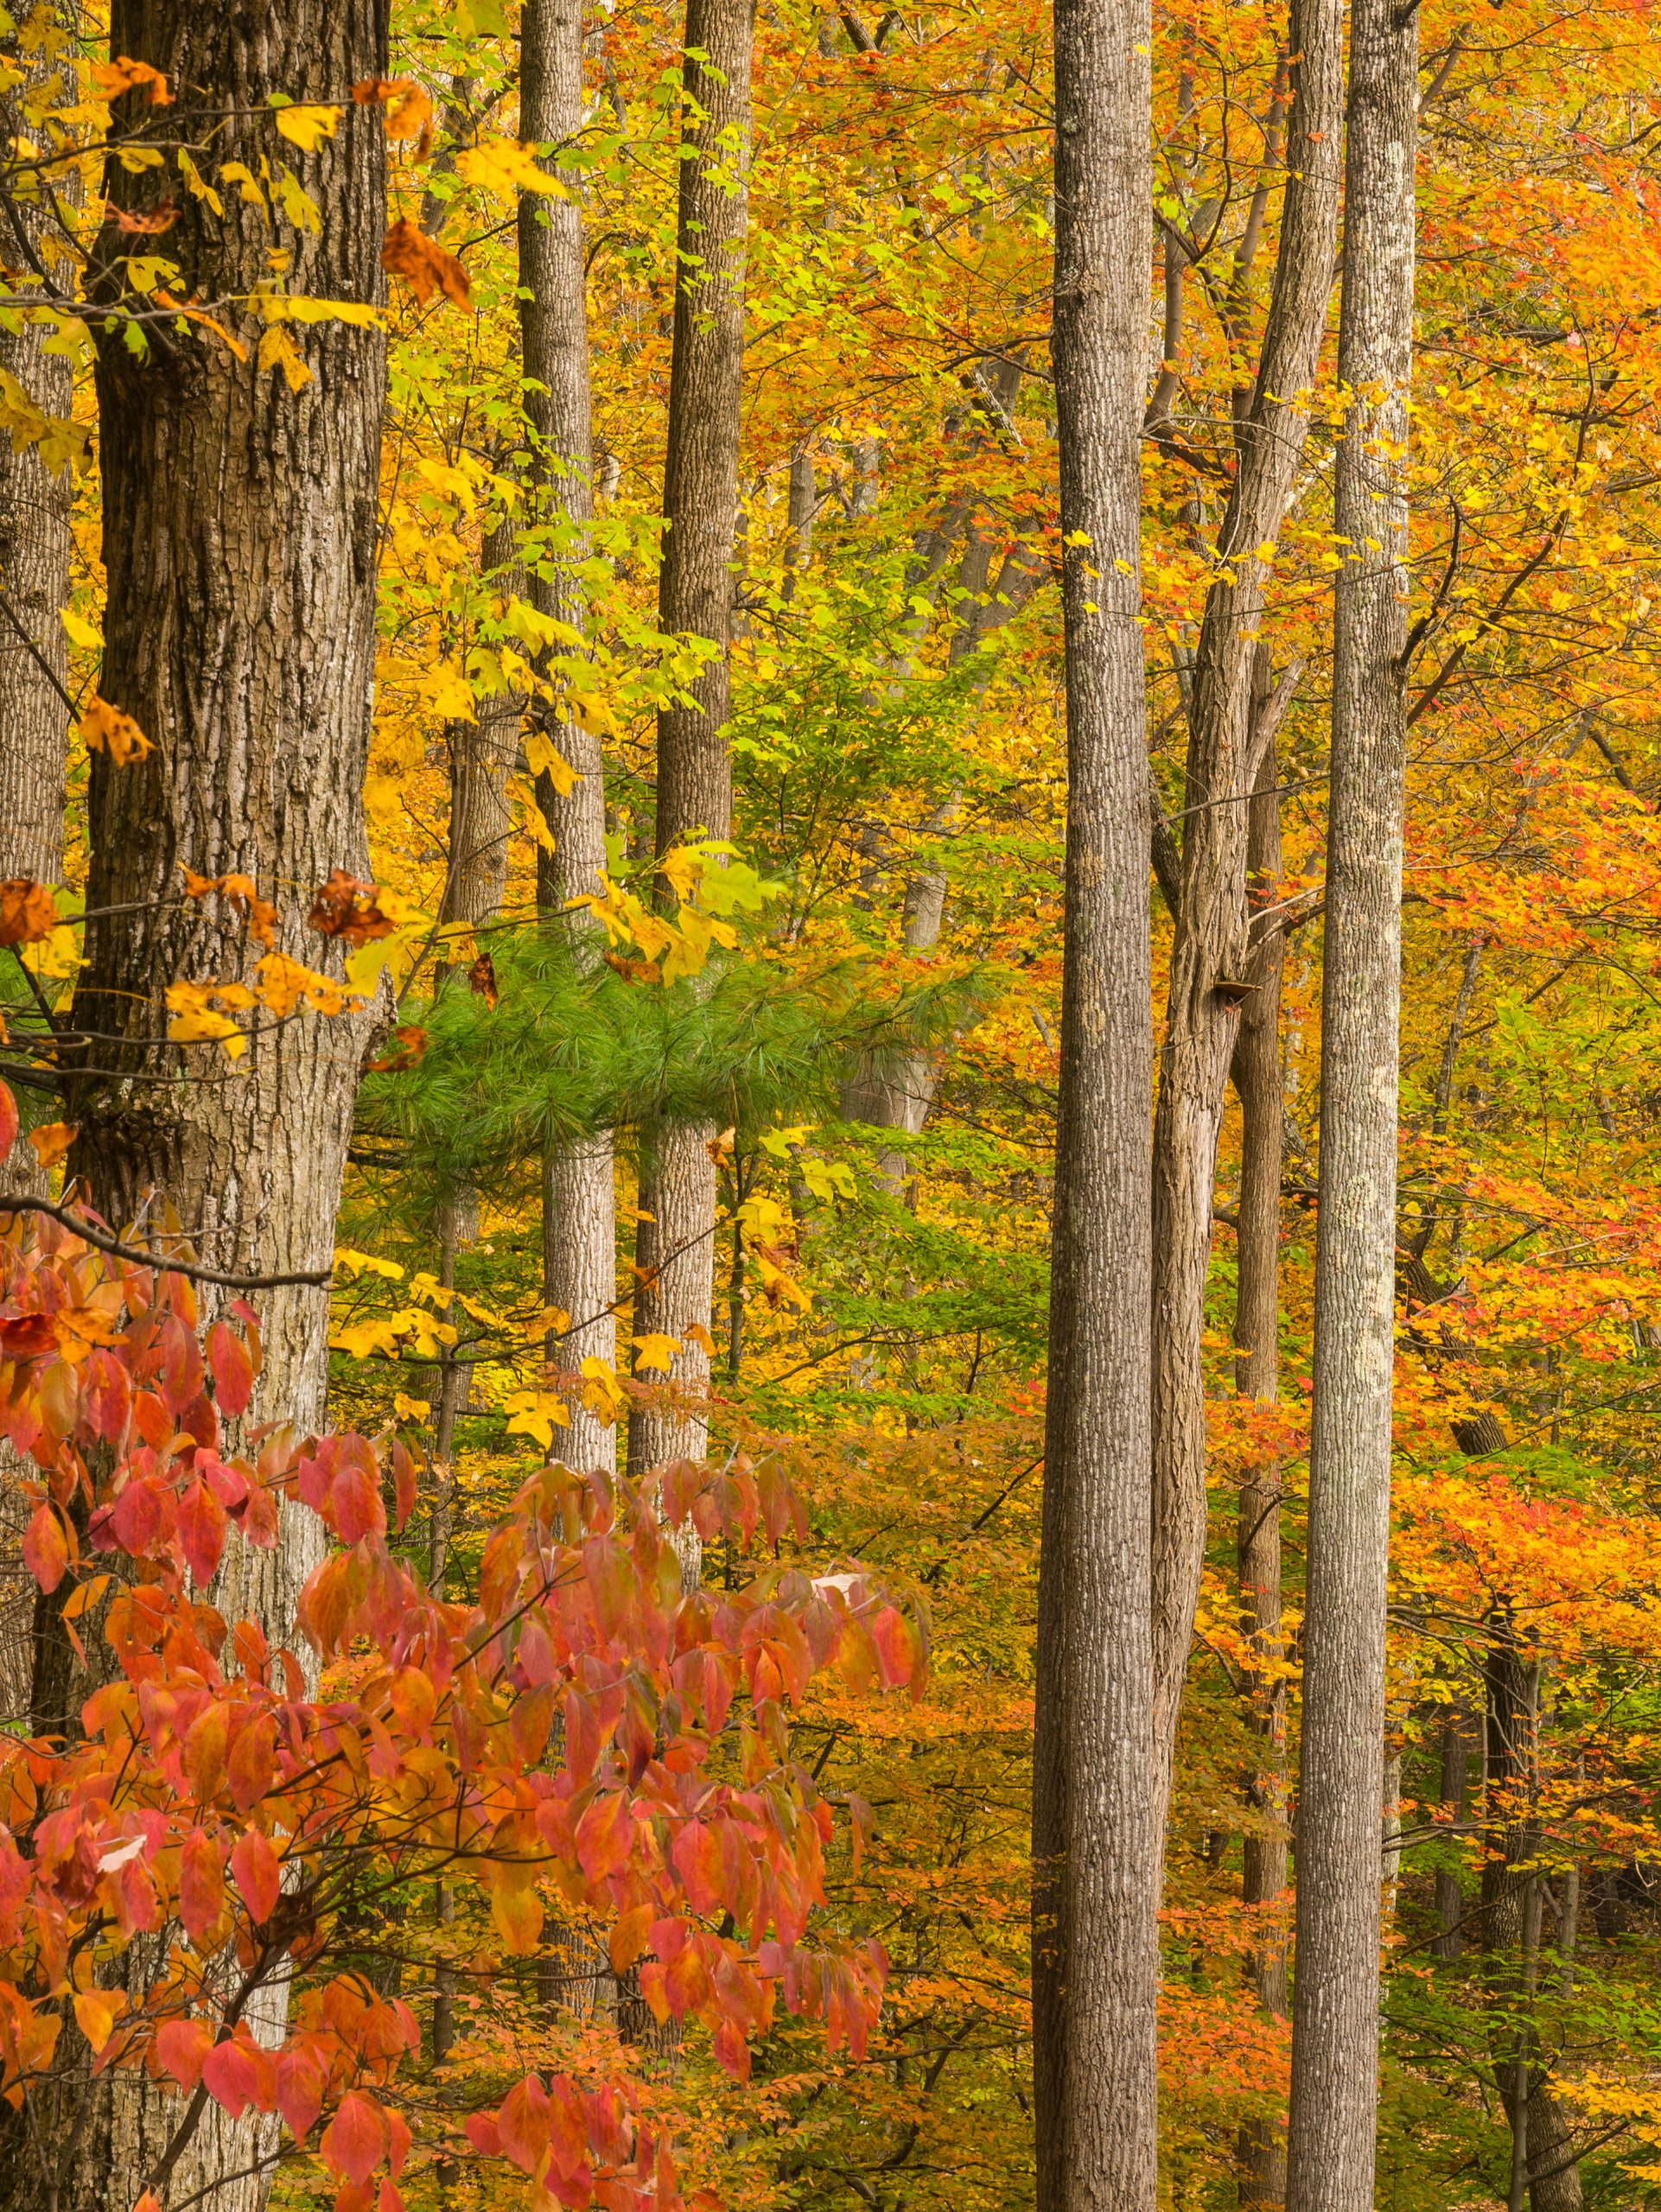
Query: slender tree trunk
(1257, 1072)
(675, 1248)
(34, 557)
(1208, 954)
(1450, 1898)
(239, 542)
(579, 1227)
(1336, 2037)
(1095, 1826)
(34, 553)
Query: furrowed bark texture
(1095, 1828)
(1209, 949)
(1335, 2017)
(1256, 1073)
(35, 550)
(579, 1226)
(239, 542)
(675, 1248)
(34, 555)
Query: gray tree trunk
(1335, 2017)
(1209, 950)
(579, 1227)
(1256, 1073)
(34, 557)
(676, 1246)
(1094, 1822)
(239, 541)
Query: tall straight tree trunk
(1208, 954)
(239, 542)
(1257, 1072)
(1095, 1824)
(34, 552)
(34, 556)
(1335, 2017)
(675, 1248)
(579, 1228)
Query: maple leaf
(307, 127)
(105, 728)
(505, 165)
(27, 912)
(424, 265)
(481, 979)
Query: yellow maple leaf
(307, 127)
(506, 166)
(657, 1351)
(545, 759)
(194, 1019)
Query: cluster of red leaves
(582, 1728)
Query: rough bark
(1256, 1075)
(579, 1228)
(675, 1248)
(34, 557)
(1335, 2020)
(1208, 953)
(239, 543)
(1095, 1831)
(34, 552)
(1449, 1939)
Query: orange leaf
(111, 78)
(52, 1140)
(409, 111)
(423, 264)
(105, 728)
(27, 913)
(46, 1553)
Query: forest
(830, 1173)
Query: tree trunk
(675, 1247)
(1208, 953)
(1335, 2034)
(239, 542)
(34, 553)
(1095, 1827)
(1256, 1073)
(579, 1227)
(1450, 1940)
(34, 557)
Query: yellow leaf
(105, 728)
(545, 759)
(367, 1263)
(505, 165)
(307, 127)
(535, 821)
(449, 694)
(590, 713)
(80, 632)
(241, 174)
(95, 2015)
(278, 350)
(52, 1140)
(656, 1351)
(409, 1408)
(534, 1413)
(193, 1020)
